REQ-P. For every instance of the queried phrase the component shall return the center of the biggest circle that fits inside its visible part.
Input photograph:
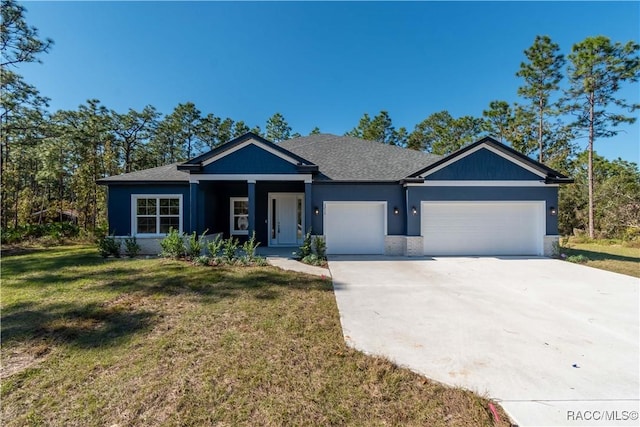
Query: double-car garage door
(482, 228)
(447, 228)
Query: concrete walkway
(283, 258)
(557, 344)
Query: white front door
(286, 213)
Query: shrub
(632, 233)
(131, 247)
(53, 232)
(249, 248)
(313, 259)
(173, 245)
(202, 260)
(305, 249)
(260, 261)
(229, 248)
(578, 259)
(109, 246)
(215, 246)
(320, 248)
(196, 244)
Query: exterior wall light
(316, 210)
(396, 211)
(553, 211)
(414, 210)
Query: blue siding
(393, 194)
(119, 205)
(483, 165)
(250, 160)
(418, 194)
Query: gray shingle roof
(167, 173)
(345, 158)
(339, 158)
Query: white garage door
(483, 228)
(355, 227)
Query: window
(156, 214)
(239, 209)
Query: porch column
(193, 209)
(308, 209)
(251, 193)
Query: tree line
(50, 161)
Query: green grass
(606, 255)
(87, 341)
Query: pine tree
(597, 69)
(542, 75)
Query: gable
(250, 159)
(483, 164)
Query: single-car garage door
(355, 227)
(483, 228)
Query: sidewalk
(283, 258)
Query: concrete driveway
(555, 343)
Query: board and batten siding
(483, 165)
(391, 193)
(250, 160)
(119, 204)
(417, 194)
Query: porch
(279, 211)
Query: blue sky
(319, 64)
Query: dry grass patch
(155, 342)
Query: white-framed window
(155, 214)
(239, 215)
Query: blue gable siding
(393, 194)
(418, 194)
(250, 160)
(483, 165)
(119, 204)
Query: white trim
(134, 216)
(270, 197)
(493, 150)
(196, 178)
(487, 183)
(232, 230)
(251, 142)
(541, 224)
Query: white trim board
(493, 150)
(484, 183)
(196, 178)
(247, 143)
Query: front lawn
(612, 256)
(88, 341)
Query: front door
(285, 219)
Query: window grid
(239, 209)
(156, 215)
